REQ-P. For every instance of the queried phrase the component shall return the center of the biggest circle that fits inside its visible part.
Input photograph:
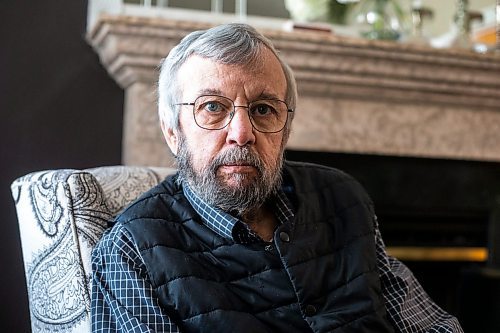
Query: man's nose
(240, 129)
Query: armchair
(62, 214)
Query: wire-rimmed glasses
(214, 112)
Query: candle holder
(419, 15)
(463, 20)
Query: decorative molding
(355, 95)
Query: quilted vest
(318, 275)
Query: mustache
(237, 155)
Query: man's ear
(171, 137)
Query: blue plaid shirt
(124, 300)
(231, 227)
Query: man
(239, 240)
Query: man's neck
(262, 221)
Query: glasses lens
(268, 115)
(212, 112)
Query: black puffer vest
(319, 274)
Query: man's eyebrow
(265, 95)
(210, 91)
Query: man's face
(235, 168)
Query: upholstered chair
(62, 214)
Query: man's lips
(237, 168)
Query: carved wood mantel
(355, 95)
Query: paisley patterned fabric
(62, 214)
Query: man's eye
(262, 110)
(213, 107)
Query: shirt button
(310, 310)
(284, 237)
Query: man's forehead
(203, 76)
(263, 62)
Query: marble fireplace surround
(355, 96)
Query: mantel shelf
(355, 95)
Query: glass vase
(379, 19)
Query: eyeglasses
(213, 112)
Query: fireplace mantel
(355, 96)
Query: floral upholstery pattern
(62, 214)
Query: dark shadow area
(59, 109)
(438, 203)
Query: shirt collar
(228, 226)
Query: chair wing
(62, 214)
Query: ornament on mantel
(327, 11)
(459, 35)
(419, 15)
(379, 19)
(372, 19)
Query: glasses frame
(288, 110)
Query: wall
(58, 108)
(444, 11)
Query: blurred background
(60, 109)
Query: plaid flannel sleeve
(409, 307)
(123, 299)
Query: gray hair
(232, 43)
